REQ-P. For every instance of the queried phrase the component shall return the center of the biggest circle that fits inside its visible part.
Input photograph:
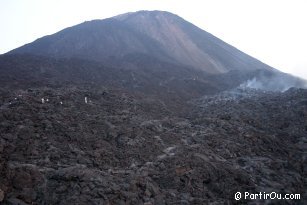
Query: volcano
(147, 108)
(159, 42)
(158, 34)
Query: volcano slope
(146, 108)
(129, 148)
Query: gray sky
(273, 31)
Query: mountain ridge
(156, 33)
(164, 36)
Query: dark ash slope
(158, 34)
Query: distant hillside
(141, 50)
(159, 34)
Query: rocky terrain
(147, 109)
(124, 148)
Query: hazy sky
(274, 31)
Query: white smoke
(276, 82)
(253, 83)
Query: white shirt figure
(43, 100)
(85, 100)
